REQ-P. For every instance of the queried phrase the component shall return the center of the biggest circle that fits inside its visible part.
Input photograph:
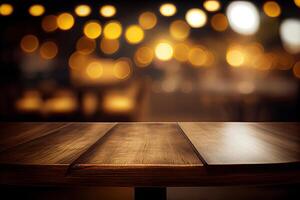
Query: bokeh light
(197, 56)
(6, 9)
(196, 17)
(234, 56)
(181, 52)
(108, 11)
(29, 43)
(243, 17)
(122, 68)
(179, 30)
(290, 35)
(212, 5)
(143, 56)
(49, 23)
(134, 34)
(109, 46)
(65, 21)
(48, 50)
(147, 20)
(85, 45)
(77, 60)
(219, 22)
(272, 8)
(94, 70)
(83, 10)
(297, 2)
(168, 9)
(164, 51)
(296, 69)
(112, 30)
(36, 10)
(92, 29)
(117, 103)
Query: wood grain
(61, 147)
(155, 144)
(13, 134)
(228, 144)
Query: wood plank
(46, 160)
(143, 144)
(13, 134)
(233, 144)
(61, 147)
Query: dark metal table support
(150, 193)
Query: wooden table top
(149, 154)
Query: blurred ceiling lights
(168, 9)
(196, 17)
(243, 17)
(290, 35)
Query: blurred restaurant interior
(193, 60)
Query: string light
(212, 5)
(92, 29)
(6, 9)
(164, 51)
(82, 10)
(134, 34)
(36, 10)
(65, 21)
(196, 17)
(112, 30)
(168, 9)
(108, 11)
(48, 50)
(29, 43)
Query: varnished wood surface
(12, 134)
(245, 143)
(149, 154)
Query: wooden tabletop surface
(149, 154)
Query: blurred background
(193, 60)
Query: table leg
(150, 193)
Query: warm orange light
(109, 46)
(49, 23)
(82, 10)
(65, 21)
(118, 103)
(147, 20)
(30, 102)
(85, 45)
(212, 5)
(181, 52)
(219, 22)
(36, 10)
(179, 30)
(196, 17)
(77, 60)
(48, 50)
(164, 51)
(197, 56)
(296, 69)
(134, 34)
(6, 9)
(94, 70)
(235, 57)
(297, 2)
(143, 56)
(92, 29)
(168, 9)
(122, 68)
(108, 11)
(112, 30)
(29, 43)
(272, 9)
